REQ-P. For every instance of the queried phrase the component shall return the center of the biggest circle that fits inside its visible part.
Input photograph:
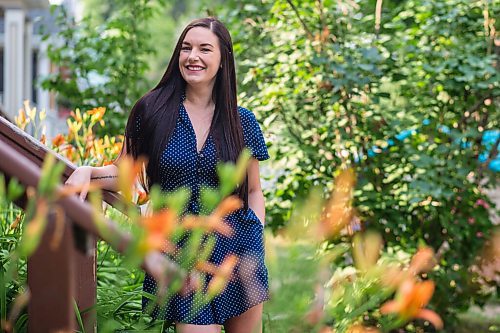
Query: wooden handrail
(31, 148)
(28, 174)
(57, 276)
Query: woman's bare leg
(188, 328)
(248, 322)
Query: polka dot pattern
(182, 165)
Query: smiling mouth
(195, 68)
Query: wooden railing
(58, 276)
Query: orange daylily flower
(158, 227)
(43, 139)
(58, 140)
(116, 148)
(21, 120)
(221, 277)
(142, 197)
(392, 276)
(338, 211)
(227, 206)
(207, 267)
(128, 170)
(410, 299)
(16, 221)
(207, 223)
(69, 152)
(215, 221)
(98, 113)
(423, 261)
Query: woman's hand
(81, 178)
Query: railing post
(51, 280)
(86, 279)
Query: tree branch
(304, 25)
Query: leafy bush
(403, 93)
(102, 65)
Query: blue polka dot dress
(183, 165)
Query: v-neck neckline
(191, 128)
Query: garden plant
(378, 219)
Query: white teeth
(195, 68)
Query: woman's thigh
(188, 328)
(248, 322)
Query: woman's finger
(85, 190)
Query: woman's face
(200, 57)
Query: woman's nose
(193, 56)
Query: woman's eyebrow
(202, 44)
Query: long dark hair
(158, 110)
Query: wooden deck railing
(59, 276)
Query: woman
(188, 122)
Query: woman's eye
(185, 48)
(205, 50)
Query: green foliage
(336, 92)
(12, 270)
(103, 65)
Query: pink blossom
(482, 203)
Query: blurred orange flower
(58, 140)
(423, 261)
(142, 197)
(227, 206)
(338, 211)
(70, 153)
(43, 139)
(21, 120)
(222, 275)
(128, 170)
(208, 224)
(98, 114)
(215, 221)
(158, 227)
(410, 299)
(116, 148)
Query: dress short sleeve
(252, 135)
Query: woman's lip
(195, 70)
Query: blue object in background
(444, 129)
(404, 134)
(489, 139)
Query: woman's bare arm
(255, 195)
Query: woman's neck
(200, 97)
